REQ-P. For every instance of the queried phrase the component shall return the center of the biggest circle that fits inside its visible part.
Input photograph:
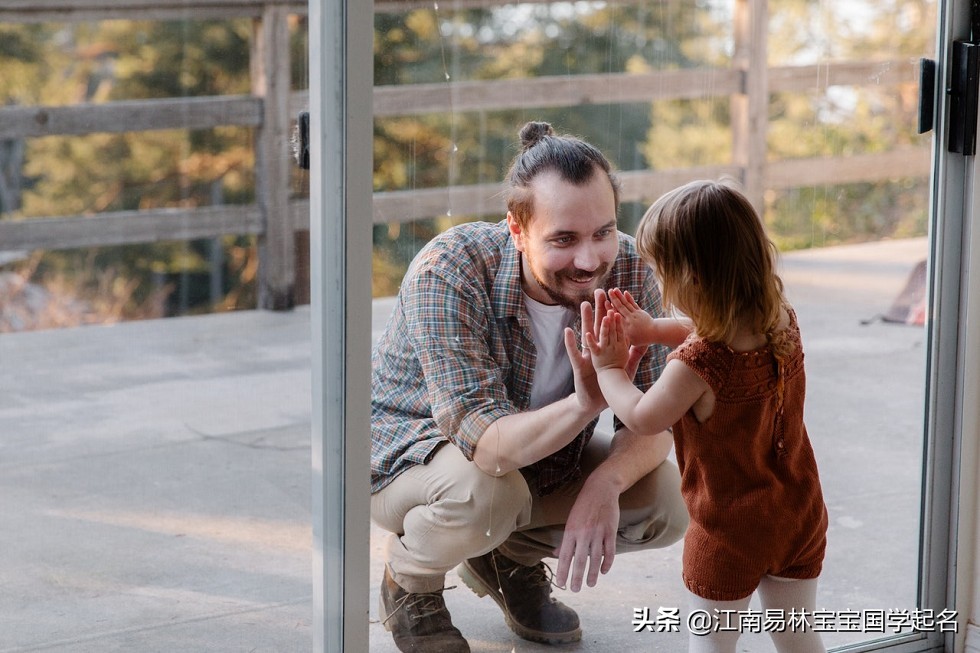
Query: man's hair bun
(533, 132)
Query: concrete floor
(155, 480)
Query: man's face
(570, 242)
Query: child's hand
(639, 327)
(612, 349)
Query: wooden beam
(129, 227)
(565, 90)
(908, 162)
(33, 11)
(645, 186)
(490, 95)
(788, 79)
(109, 7)
(270, 82)
(408, 205)
(399, 6)
(299, 214)
(750, 106)
(134, 115)
(488, 199)
(621, 88)
(298, 101)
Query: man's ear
(516, 232)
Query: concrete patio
(155, 479)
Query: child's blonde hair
(714, 260)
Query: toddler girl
(733, 392)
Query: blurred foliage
(527, 41)
(112, 60)
(59, 64)
(816, 217)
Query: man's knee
(653, 509)
(498, 503)
(467, 520)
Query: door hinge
(963, 96)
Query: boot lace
(421, 605)
(539, 575)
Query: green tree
(524, 41)
(56, 64)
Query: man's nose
(587, 257)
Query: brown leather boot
(524, 594)
(419, 623)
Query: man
(483, 409)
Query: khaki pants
(441, 513)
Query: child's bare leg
(719, 640)
(788, 594)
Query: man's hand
(590, 536)
(586, 383)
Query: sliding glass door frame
(341, 71)
(341, 81)
(948, 533)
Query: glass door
(812, 107)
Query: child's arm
(662, 405)
(641, 328)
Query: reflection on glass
(125, 116)
(671, 92)
(155, 479)
(657, 86)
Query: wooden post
(750, 107)
(11, 174)
(270, 81)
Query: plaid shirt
(457, 353)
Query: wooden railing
(271, 107)
(273, 217)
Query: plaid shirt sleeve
(449, 328)
(440, 368)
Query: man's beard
(571, 302)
